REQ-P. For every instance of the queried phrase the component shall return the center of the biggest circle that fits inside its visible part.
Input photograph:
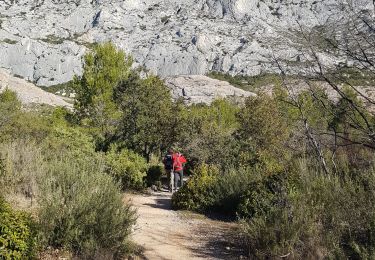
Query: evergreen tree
(105, 67)
(146, 112)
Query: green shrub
(283, 232)
(154, 174)
(229, 189)
(277, 220)
(81, 209)
(198, 194)
(261, 196)
(347, 213)
(21, 162)
(126, 167)
(204, 133)
(17, 233)
(16, 123)
(79, 206)
(311, 215)
(68, 139)
(211, 190)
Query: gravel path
(167, 234)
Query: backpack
(168, 162)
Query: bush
(211, 190)
(198, 193)
(261, 196)
(126, 167)
(21, 162)
(283, 232)
(81, 209)
(311, 215)
(154, 174)
(16, 123)
(277, 220)
(67, 139)
(17, 233)
(204, 133)
(229, 190)
(348, 214)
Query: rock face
(28, 93)
(44, 40)
(195, 89)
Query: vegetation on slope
(297, 171)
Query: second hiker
(168, 162)
(178, 166)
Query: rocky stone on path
(195, 89)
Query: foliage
(198, 194)
(345, 117)
(353, 76)
(81, 208)
(146, 109)
(261, 195)
(287, 206)
(256, 160)
(262, 134)
(73, 140)
(229, 189)
(17, 233)
(348, 214)
(21, 163)
(104, 68)
(59, 89)
(11, 118)
(154, 174)
(209, 190)
(127, 167)
(205, 133)
(310, 215)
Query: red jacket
(178, 161)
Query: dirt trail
(167, 234)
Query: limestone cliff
(44, 40)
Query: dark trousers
(178, 175)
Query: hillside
(201, 129)
(28, 93)
(43, 41)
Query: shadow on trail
(220, 216)
(161, 203)
(219, 243)
(162, 200)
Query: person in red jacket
(178, 166)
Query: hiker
(178, 169)
(168, 166)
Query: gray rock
(28, 93)
(195, 89)
(44, 40)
